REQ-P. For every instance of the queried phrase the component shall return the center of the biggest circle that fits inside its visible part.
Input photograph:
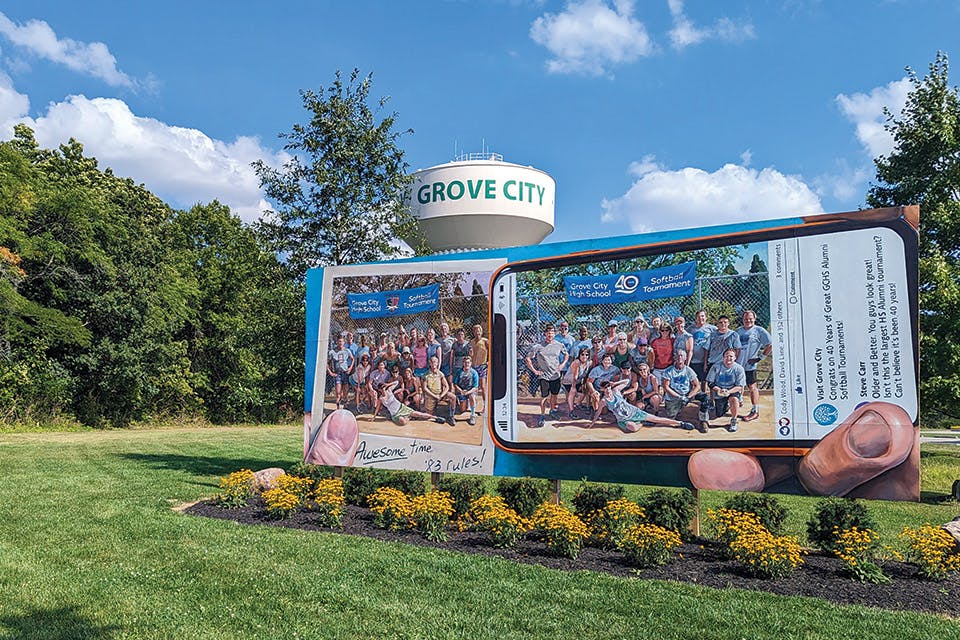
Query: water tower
(478, 201)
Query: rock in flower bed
(700, 562)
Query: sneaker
(471, 421)
(753, 415)
(451, 421)
(732, 427)
(541, 421)
(686, 426)
(439, 420)
(574, 414)
(554, 414)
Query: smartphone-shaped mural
(401, 367)
(764, 342)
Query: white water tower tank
(478, 201)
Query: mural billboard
(778, 355)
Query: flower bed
(702, 562)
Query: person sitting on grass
(605, 371)
(466, 385)
(436, 390)
(726, 382)
(630, 418)
(648, 389)
(399, 412)
(680, 383)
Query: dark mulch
(702, 564)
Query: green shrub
(833, 515)
(360, 482)
(594, 497)
(524, 495)
(767, 508)
(315, 472)
(412, 483)
(463, 490)
(671, 509)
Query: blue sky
(649, 115)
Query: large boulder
(267, 478)
(953, 528)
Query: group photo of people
(659, 369)
(420, 374)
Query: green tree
(924, 169)
(237, 331)
(340, 197)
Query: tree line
(116, 308)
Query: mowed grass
(90, 548)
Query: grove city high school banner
(665, 282)
(393, 303)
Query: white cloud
(184, 166)
(684, 33)
(846, 184)
(865, 110)
(91, 58)
(591, 36)
(746, 158)
(13, 104)
(691, 197)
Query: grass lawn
(90, 548)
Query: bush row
(747, 526)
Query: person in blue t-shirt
(680, 383)
(702, 332)
(726, 381)
(466, 384)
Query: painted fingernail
(342, 429)
(869, 436)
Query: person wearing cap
(545, 362)
(610, 340)
(350, 344)
(406, 360)
(640, 335)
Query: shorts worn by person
(755, 345)
(546, 361)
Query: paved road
(931, 440)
